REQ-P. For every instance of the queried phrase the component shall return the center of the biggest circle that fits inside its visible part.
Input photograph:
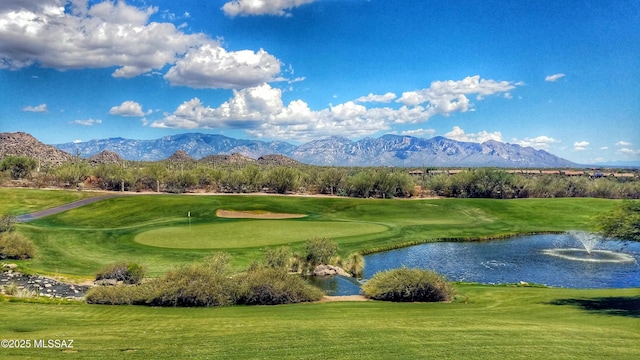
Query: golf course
(163, 232)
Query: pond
(537, 259)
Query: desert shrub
(16, 246)
(7, 223)
(272, 286)
(405, 285)
(355, 264)
(207, 284)
(295, 262)
(622, 222)
(320, 251)
(11, 289)
(118, 295)
(277, 258)
(128, 273)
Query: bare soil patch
(256, 214)
(343, 298)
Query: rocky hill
(235, 158)
(23, 144)
(276, 159)
(180, 156)
(105, 157)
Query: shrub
(7, 223)
(320, 251)
(15, 246)
(128, 273)
(622, 222)
(277, 258)
(118, 295)
(272, 286)
(355, 264)
(207, 284)
(406, 285)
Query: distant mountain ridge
(387, 150)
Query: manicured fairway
(485, 322)
(252, 233)
(78, 242)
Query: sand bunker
(256, 214)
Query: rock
(9, 266)
(106, 282)
(329, 270)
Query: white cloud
(554, 77)
(211, 66)
(88, 122)
(540, 142)
(419, 132)
(580, 145)
(623, 143)
(77, 141)
(386, 98)
(261, 111)
(114, 34)
(128, 108)
(446, 97)
(604, 148)
(458, 134)
(262, 7)
(627, 151)
(39, 108)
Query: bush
(271, 286)
(320, 251)
(118, 295)
(277, 258)
(623, 222)
(406, 285)
(128, 273)
(207, 284)
(355, 264)
(15, 246)
(7, 223)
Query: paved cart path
(58, 209)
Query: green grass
(16, 201)
(485, 322)
(77, 243)
(251, 233)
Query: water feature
(558, 260)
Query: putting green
(253, 233)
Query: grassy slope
(484, 323)
(80, 241)
(16, 201)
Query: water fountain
(588, 252)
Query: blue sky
(563, 76)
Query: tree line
(362, 182)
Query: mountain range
(387, 150)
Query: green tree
(18, 166)
(72, 173)
(282, 179)
(623, 222)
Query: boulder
(106, 282)
(329, 270)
